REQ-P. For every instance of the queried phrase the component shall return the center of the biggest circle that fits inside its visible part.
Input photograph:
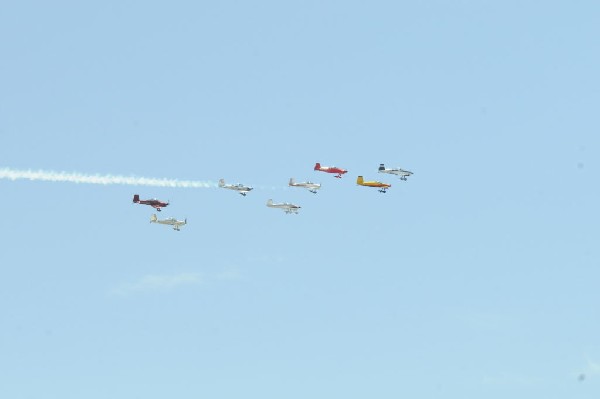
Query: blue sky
(475, 278)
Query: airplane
(285, 206)
(331, 169)
(395, 171)
(169, 221)
(312, 187)
(382, 186)
(240, 188)
(154, 203)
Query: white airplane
(312, 187)
(395, 171)
(285, 206)
(240, 188)
(169, 221)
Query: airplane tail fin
(381, 166)
(292, 181)
(153, 218)
(136, 198)
(221, 182)
(317, 166)
(270, 202)
(359, 180)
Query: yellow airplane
(382, 186)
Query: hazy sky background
(478, 277)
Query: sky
(477, 277)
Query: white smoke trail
(45, 175)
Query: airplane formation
(287, 207)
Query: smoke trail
(45, 175)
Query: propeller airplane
(382, 186)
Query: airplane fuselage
(154, 204)
(284, 206)
(240, 189)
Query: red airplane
(331, 169)
(154, 203)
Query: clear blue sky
(478, 277)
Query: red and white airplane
(331, 169)
(154, 203)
